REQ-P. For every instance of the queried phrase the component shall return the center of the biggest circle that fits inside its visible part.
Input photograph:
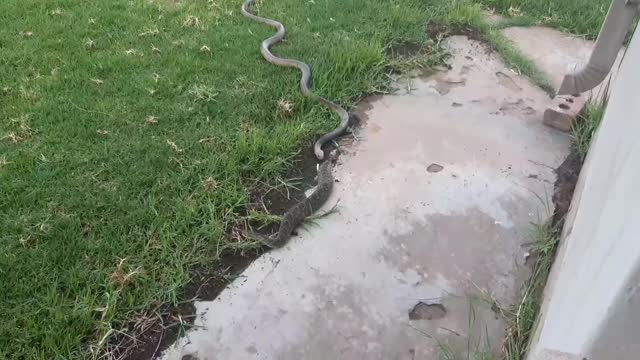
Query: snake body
(305, 80)
(307, 206)
(301, 210)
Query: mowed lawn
(132, 133)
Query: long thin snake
(305, 80)
(307, 206)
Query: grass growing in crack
(585, 129)
(581, 17)
(523, 316)
(132, 133)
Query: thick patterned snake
(296, 214)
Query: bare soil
(206, 284)
(440, 31)
(566, 178)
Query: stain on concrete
(424, 311)
(361, 110)
(465, 69)
(434, 168)
(467, 249)
(506, 81)
(443, 84)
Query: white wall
(591, 308)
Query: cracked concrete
(404, 235)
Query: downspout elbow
(619, 18)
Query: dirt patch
(206, 284)
(359, 115)
(441, 31)
(424, 311)
(566, 178)
(278, 201)
(434, 168)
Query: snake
(295, 215)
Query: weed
(585, 129)
(523, 316)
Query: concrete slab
(436, 197)
(556, 53)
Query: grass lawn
(132, 133)
(581, 17)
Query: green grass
(523, 316)
(585, 129)
(581, 17)
(133, 133)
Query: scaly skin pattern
(296, 214)
(300, 211)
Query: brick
(564, 111)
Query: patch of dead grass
(152, 120)
(285, 107)
(203, 93)
(191, 21)
(174, 147)
(120, 276)
(210, 184)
